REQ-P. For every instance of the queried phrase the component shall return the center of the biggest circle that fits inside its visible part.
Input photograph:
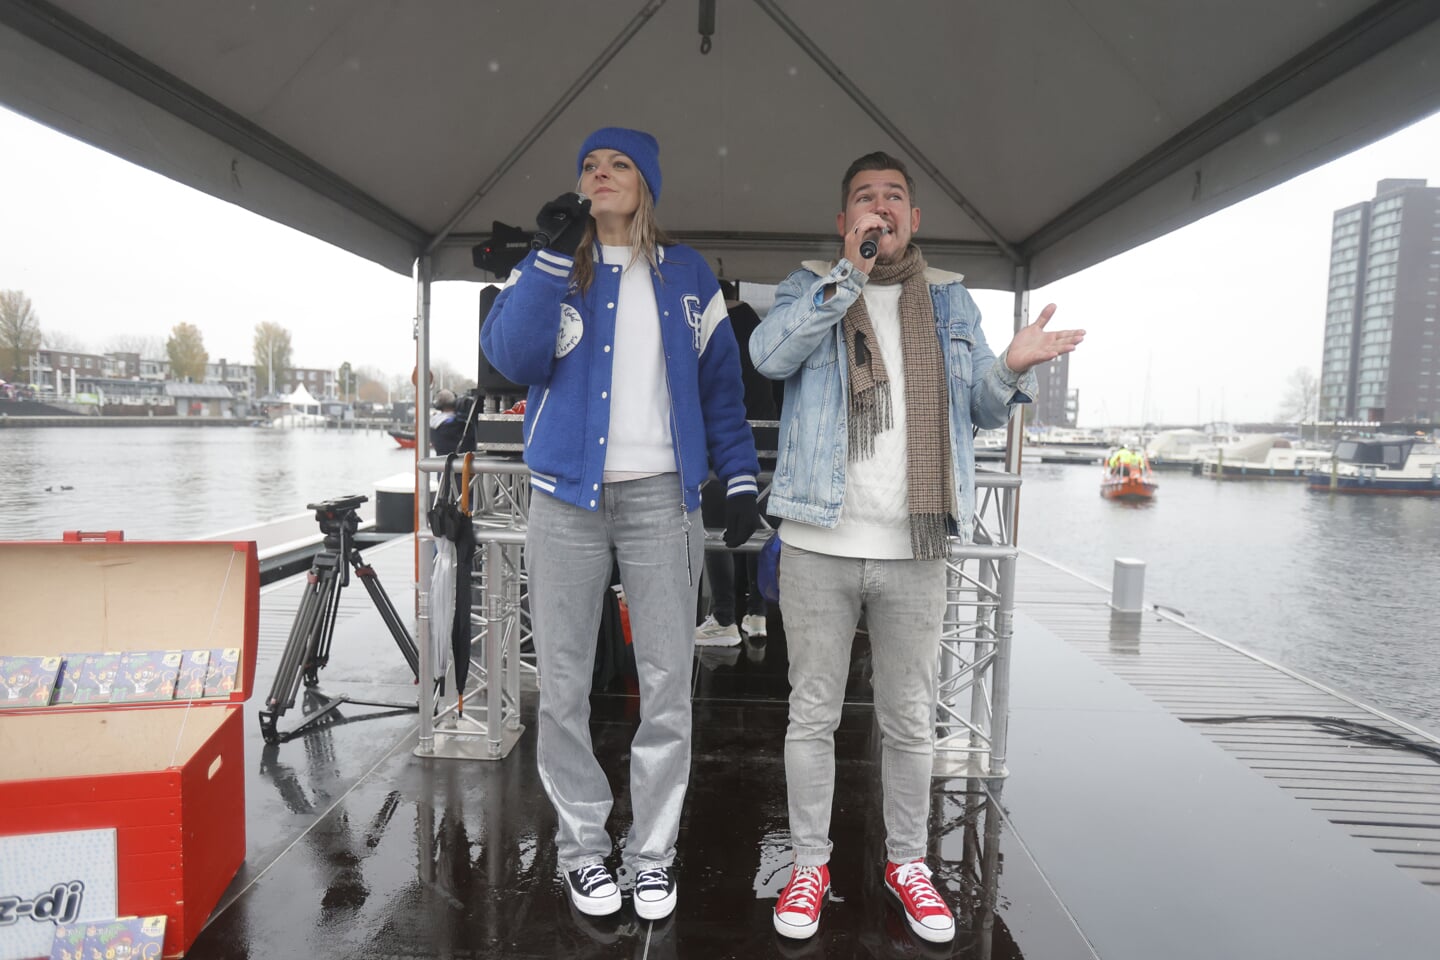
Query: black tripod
(308, 649)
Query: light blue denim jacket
(801, 342)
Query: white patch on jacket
(572, 329)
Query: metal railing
(484, 722)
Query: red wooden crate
(168, 777)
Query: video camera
(500, 252)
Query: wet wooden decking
(1387, 798)
(1127, 834)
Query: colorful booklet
(190, 684)
(146, 675)
(131, 938)
(97, 677)
(27, 681)
(69, 679)
(69, 942)
(224, 664)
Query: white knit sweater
(875, 518)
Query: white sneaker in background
(712, 633)
(753, 624)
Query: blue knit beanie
(635, 144)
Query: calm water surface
(1341, 589)
(166, 482)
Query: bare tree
(19, 331)
(1301, 402)
(272, 356)
(149, 348)
(67, 342)
(186, 350)
(446, 377)
(401, 388)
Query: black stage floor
(358, 848)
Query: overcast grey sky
(1206, 323)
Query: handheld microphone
(543, 238)
(868, 247)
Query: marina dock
(1126, 828)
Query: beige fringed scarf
(926, 400)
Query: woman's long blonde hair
(645, 235)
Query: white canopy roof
(300, 398)
(1045, 134)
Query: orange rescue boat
(1128, 481)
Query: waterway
(158, 483)
(1341, 589)
(1338, 588)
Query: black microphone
(542, 239)
(868, 247)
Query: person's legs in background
(718, 629)
(753, 623)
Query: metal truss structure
(483, 721)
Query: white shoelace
(803, 891)
(653, 879)
(914, 877)
(593, 875)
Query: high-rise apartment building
(1381, 361)
(1054, 404)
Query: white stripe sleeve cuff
(741, 484)
(555, 264)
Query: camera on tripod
(330, 511)
(307, 650)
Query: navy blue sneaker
(655, 893)
(593, 890)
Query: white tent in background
(301, 409)
(301, 400)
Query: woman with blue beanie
(634, 397)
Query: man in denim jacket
(886, 371)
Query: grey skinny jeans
(821, 598)
(569, 555)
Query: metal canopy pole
(1015, 430)
(422, 489)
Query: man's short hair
(879, 160)
(445, 400)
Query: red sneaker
(926, 912)
(797, 912)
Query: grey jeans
(569, 555)
(821, 598)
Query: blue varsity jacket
(555, 340)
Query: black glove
(561, 222)
(742, 518)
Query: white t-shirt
(639, 442)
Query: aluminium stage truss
(974, 643)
